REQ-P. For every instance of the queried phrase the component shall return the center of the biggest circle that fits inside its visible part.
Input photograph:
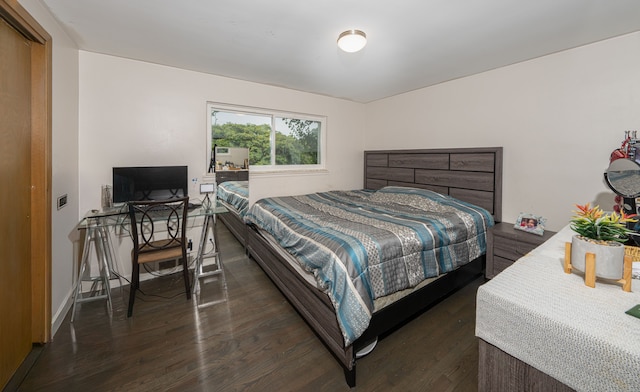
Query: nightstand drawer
(510, 248)
(506, 245)
(500, 264)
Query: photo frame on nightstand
(530, 223)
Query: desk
(98, 224)
(552, 322)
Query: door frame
(41, 57)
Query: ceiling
(292, 43)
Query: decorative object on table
(106, 198)
(530, 223)
(634, 252)
(623, 175)
(598, 248)
(635, 311)
(625, 148)
(206, 189)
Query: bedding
(361, 245)
(235, 194)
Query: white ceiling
(292, 43)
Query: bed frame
(236, 225)
(470, 174)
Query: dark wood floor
(253, 341)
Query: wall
(558, 118)
(64, 157)
(136, 113)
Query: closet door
(25, 186)
(15, 199)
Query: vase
(609, 256)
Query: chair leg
(185, 272)
(135, 283)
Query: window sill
(285, 172)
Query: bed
(470, 176)
(235, 196)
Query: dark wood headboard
(470, 174)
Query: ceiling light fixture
(352, 40)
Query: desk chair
(149, 219)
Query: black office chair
(152, 219)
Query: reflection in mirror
(623, 177)
(231, 158)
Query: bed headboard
(470, 174)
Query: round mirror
(623, 177)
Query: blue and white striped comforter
(236, 194)
(361, 245)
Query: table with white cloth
(547, 319)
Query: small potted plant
(603, 235)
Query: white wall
(64, 157)
(558, 118)
(136, 113)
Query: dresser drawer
(225, 176)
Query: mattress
(363, 245)
(234, 195)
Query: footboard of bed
(313, 305)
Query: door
(25, 166)
(15, 197)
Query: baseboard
(61, 313)
(23, 369)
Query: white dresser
(549, 320)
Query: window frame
(322, 153)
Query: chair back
(151, 219)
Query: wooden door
(15, 197)
(25, 196)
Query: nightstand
(505, 245)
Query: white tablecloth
(550, 320)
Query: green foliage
(302, 147)
(251, 136)
(298, 148)
(591, 222)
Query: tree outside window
(273, 140)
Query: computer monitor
(149, 183)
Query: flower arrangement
(591, 223)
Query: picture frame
(530, 223)
(207, 188)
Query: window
(276, 141)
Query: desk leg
(105, 261)
(109, 254)
(83, 264)
(199, 273)
(93, 235)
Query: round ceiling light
(352, 40)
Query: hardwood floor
(253, 341)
